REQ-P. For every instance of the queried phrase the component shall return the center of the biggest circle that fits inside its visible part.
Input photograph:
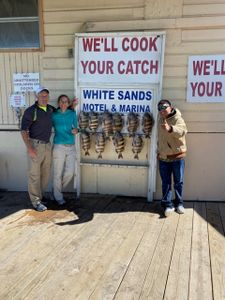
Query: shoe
(61, 201)
(40, 207)
(168, 211)
(180, 209)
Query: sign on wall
(115, 71)
(120, 73)
(25, 82)
(206, 78)
(17, 100)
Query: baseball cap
(163, 104)
(40, 89)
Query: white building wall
(192, 28)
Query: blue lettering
(120, 95)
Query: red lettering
(218, 88)
(193, 87)
(99, 67)
(206, 70)
(124, 44)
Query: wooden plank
(4, 105)
(156, 24)
(85, 255)
(203, 1)
(59, 40)
(131, 285)
(8, 79)
(217, 250)
(203, 35)
(79, 5)
(203, 9)
(178, 278)
(157, 274)
(58, 63)
(58, 74)
(95, 15)
(200, 273)
(56, 52)
(63, 28)
(12, 71)
(45, 251)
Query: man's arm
(31, 151)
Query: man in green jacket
(171, 153)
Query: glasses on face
(162, 107)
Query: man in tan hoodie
(171, 152)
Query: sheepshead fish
(100, 143)
(86, 142)
(107, 124)
(147, 124)
(133, 123)
(137, 145)
(117, 122)
(93, 121)
(119, 143)
(83, 120)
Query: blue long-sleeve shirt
(63, 123)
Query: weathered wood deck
(105, 247)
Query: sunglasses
(163, 107)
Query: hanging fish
(93, 121)
(100, 144)
(147, 124)
(83, 120)
(137, 145)
(117, 122)
(107, 124)
(86, 142)
(133, 123)
(119, 143)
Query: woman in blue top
(65, 126)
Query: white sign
(116, 100)
(25, 82)
(206, 78)
(124, 58)
(17, 100)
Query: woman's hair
(61, 96)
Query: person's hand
(32, 152)
(166, 126)
(74, 131)
(74, 102)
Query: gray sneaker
(61, 201)
(168, 211)
(40, 207)
(180, 209)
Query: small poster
(206, 78)
(25, 82)
(17, 100)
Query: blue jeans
(166, 170)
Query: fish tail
(120, 155)
(100, 155)
(136, 156)
(87, 153)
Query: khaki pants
(39, 171)
(63, 168)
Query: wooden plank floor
(106, 247)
